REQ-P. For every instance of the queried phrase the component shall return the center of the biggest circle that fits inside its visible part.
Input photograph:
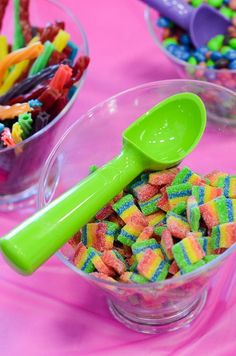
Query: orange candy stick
(9, 112)
(29, 52)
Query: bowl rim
(40, 201)
(147, 17)
(69, 12)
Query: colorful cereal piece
(145, 192)
(83, 259)
(205, 193)
(180, 208)
(152, 266)
(177, 225)
(215, 176)
(206, 244)
(128, 234)
(138, 248)
(187, 176)
(218, 211)
(163, 177)
(146, 234)
(223, 235)
(187, 252)
(167, 244)
(114, 260)
(156, 218)
(228, 184)
(99, 264)
(150, 206)
(192, 267)
(193, 213)
(126, 208)
(132, 277)
(178, 193)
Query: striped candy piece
(152, 266)
(132, 277)
(166, 245)
(187, 176)
(138, 248)
(224, 235)
(100, 235)
(146, 233)
(193, 267)
(144, 192)
(128, 234)
(99, 264)
(228, 184)
(187, 252)
(193, 213)
(114, 260)
(163, 203)
(83, 259)
(180, 208)
(163, 177)
(218, 211)
(178, 193)
(177, 225)
(126, 209)
(156, 218)
(206, 244)
(149, 206)
(214, 177)
(205, 193)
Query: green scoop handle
(159, 139)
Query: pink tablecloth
(53, 312)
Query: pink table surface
(53, 312)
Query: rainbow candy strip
(228, 184)
(205, 193)
(163, 177)
(138, 248)
(152, 266)
(215, 176)
(133, 277)
(187, 252)
(167, 244)
(193, 213)
(180, 208)
(99, 263)
(187, 176)
(144, 191)
(178, 193)
(223, 235)
(206, 244)
(126, 208)
(128, 234)
(83, 258)
(100, 235)
(150, 206)
(146, 233)
(156, 218)
(177, 225)
(113, 259)
(218, 211)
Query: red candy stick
(3, 5)
(62, 76)
(24, 20)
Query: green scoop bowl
(159, 139)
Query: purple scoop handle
(176, 10)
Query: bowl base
(157, 326)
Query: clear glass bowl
(95, 139)
(20, 166)
(224, 77)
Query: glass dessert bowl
(95, 139)
(20, 166)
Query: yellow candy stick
(61, 40)
(10, 112)
(20, 55)
(18, 69)
(3, 47)
(17, 133)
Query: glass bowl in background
(224, 77)
(20, 166)
(94, 140)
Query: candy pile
(163, 225)
(38, 75)
(219, 52)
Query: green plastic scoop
(159, 139)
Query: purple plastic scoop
(202, 23)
